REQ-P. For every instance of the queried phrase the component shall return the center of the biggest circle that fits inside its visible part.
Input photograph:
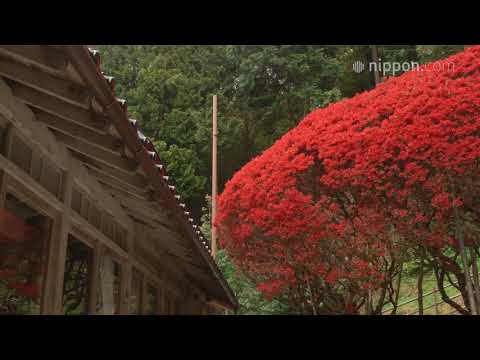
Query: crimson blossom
(323, 219)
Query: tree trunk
(440, 276)
(397, 290)
(476, 282)
(420, 284)
(412, 53)
(463, 252)
(376, 72)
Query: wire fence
(436, 306)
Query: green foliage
(263, 92)
(427, 53)
(181, 165)
(350, 82)
(251, 301)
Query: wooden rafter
(106, 157)
(39, 57)
(139, 193)
(134, 180)
(52, 81)
(44, 82)
(97, 138)
(59, 108)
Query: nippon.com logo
(393, 68)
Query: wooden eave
(65, 88)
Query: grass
(408, 291)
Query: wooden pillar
(161, 299)
(125, 286)
(57, 254)
(126, 275)
(214, 176)
(107, 283)
(144, 299)
(94, 278)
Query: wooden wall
(175, 293)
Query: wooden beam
(44, 82)
(120, 192)
(89, 230)
(143, 208)
(120, 185)
(134, 180)
(28, 182)
(106, 157)
(59, 108)
(164, 266)
(58, 252)
(109, 186)
(42, 57)
(96, 138)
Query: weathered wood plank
(58, 107)
(106, 157)
(135, 180)
(104, 141)
(45, 82)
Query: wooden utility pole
(214, 176)
(376, 72)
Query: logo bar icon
(358, 66)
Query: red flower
(354, 174)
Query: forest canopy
(263, 91)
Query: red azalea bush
(321, 220)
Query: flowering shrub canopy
(321, 212)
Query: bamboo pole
(214, 176)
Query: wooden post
(93, 283)
(435, 301)
(214, 176)
(58, 253)
(126, 275)
(376, 73)
(125, 287)
(159, 303)
(144, 301)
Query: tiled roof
(149, 147)
(155, 158)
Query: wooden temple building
(90, 223)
